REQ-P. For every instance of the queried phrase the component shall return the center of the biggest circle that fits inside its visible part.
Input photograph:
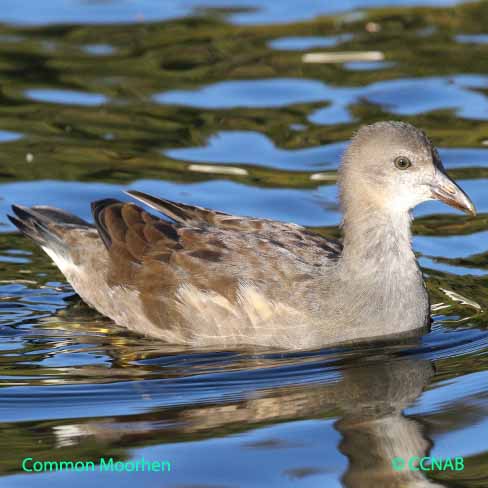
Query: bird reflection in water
(367, 397)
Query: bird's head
(393, 166)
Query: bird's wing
(149, 252)
(281, 232)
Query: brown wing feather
(129, 226)
(210, 250)
(179, 212)
(281, 233)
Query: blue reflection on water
(68, 97)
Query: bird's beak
(447, 190)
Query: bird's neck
(381, 280)
(377, 242)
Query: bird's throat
(378, 248)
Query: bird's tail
(46, 226)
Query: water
(215, 103)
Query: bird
(204, 278)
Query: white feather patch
(65, 265)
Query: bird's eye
(402, 162)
